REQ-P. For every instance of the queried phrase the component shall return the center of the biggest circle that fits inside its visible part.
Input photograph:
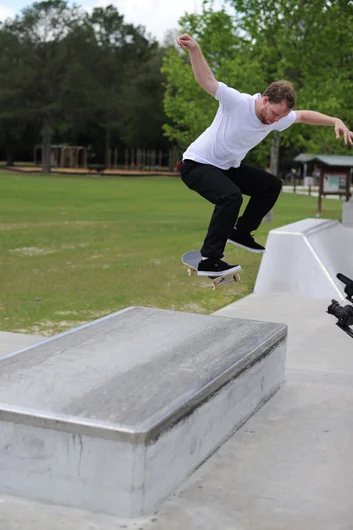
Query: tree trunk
(107, 148)
(274, 163)
(47, 133)
(9, 156)
(274, 166)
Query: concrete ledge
(347, 214)
(114, 415)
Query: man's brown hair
(281, 91)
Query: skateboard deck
(191, 260)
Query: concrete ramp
(303, 259)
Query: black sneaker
(245, 241)
(215, 267)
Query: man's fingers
(181, 42)
(347, 135)
(184, 40)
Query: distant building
(312, 165)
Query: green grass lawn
(74, 249)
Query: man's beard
(263, 119)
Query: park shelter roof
(329, 160)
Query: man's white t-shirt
(234, 131)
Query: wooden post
(170, 161)
(63, 154)
(348, 185)
(153, 159)
(319, 205)
(175, 157)
(126, 159)
(138, 159)
(321, 189)
(47, 133)
(275, 145)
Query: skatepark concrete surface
(289, 467)
(16, 341)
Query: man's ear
(265, 99)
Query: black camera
(344, 314)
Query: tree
(67, 76)
(308, 43)
(14, 109)
(41, 31)
(121, 51)
(78, 84)
(143, 114)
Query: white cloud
(157, 16)
(6, 12)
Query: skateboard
(191, 260)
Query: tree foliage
(73, 77)
(255, 43)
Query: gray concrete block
(347, 214)
(114, 415)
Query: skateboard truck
(217, 281)
(191, 260)
(343, 314)
(223, 280)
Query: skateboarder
(212, 165)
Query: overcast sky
(158, 16)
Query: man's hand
(347, 134)
(185, 41)
(311, 117)
(202, 72)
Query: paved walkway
(304, 190)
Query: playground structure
(143, 159)
(62, 155)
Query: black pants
(225, 188)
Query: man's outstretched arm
(310, 117)
(202, 72)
